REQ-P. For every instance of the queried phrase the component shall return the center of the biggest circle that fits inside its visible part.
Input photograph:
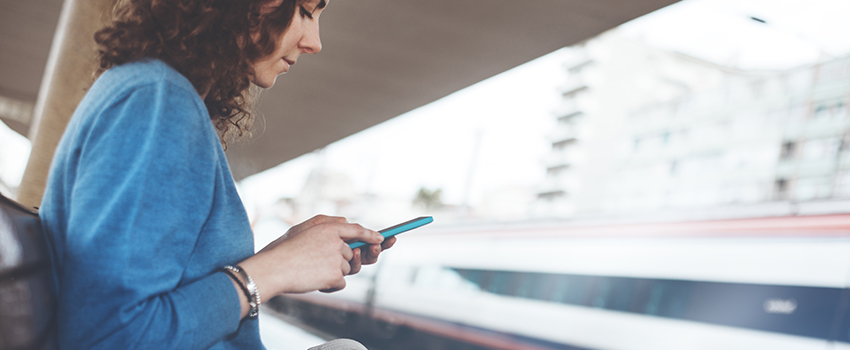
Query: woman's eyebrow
(321, 4)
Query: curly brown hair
(208, 41)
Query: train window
(559, 288)
(501, 282)
(544, 287)
(570, 289)
(524, 285)
(844, 334)
(533, 285)
(677, 304)
(668, 299)
(807, 311)
(654, 301)
(452, 280)
(600, 295)
(475, 277)
(620, 293)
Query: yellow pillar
(67, 75)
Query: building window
(781, 189)
(557, 170)
(788, 149)
(551, 195)
(563, 143)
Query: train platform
(281, 333)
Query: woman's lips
(288, 64)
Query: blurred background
(679, 181)
(695, 107)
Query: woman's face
(302, 36)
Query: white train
(770, 283)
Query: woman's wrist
(248, 287)
(262, 287)
(244, 303)
(264, 276)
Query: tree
(430, 199)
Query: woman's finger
(318, 220)
(346, 267)
(347, 252)
(370, 256)
(388, 243)
(355, 263)
(355, 232)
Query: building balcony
(571, 92)
(578, 59)
(563, 158)
(551, 193)
(563, 132)
(573, 82)
(557, 185)
(567, 107)
(569, 118)
(552, 196)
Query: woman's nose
(311, 42)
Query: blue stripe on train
(815, 312)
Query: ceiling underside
(380, 59)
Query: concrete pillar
(67, 75)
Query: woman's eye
(305, 13)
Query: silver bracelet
(254, 300)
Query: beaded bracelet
(250, 290)
(238, 282)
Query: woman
(151, 245)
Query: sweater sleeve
(143, 190)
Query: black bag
(27, 301)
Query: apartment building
(642, 130)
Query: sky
(511, 113)
(794, 32)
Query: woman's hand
(313, 255)
(370, 254)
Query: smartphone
(402, 227)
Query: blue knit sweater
(141, 211)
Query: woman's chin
(265, 83)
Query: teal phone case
(402, 227)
